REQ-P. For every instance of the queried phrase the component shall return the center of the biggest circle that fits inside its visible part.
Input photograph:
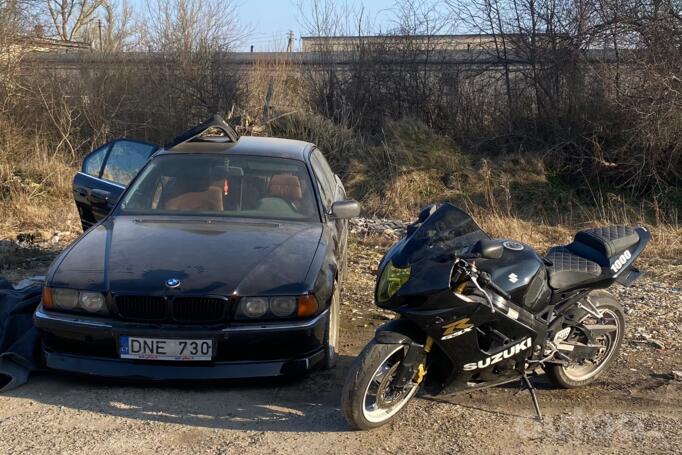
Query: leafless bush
(70, 18)
(593, 85)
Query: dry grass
(273, 85)
(409, 168)
(35, 185)
(511, 197)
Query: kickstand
(531, 389)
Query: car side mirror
(345, 209)
(488, 249)
(99, 198)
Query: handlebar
(482, 279)
(488, 282)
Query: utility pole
(99, 25)
(290, 41)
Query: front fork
(413, 368)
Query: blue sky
(270, 20)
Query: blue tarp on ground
(19, 341)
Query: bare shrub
(70, 18)
(273, 88)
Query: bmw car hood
(138, 255)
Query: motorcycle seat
(588, 255)
(609, 241)
(567, 269)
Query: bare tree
(190, 26)
(328, 18)
(10, 24)
(15, 18)
(70, 17)
(118, 26)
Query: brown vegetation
(538, 139)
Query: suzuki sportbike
(477, 312)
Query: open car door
(105, 174)
(107, 171)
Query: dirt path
(636, 407)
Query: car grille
(141, 308)
(182, 309)
(199, 309)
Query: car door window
(325, 178)
(92, 164)
(125, 159)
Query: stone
(657, 344)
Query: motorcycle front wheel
(370, 398)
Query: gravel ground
(635, 407)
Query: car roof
(245, 145)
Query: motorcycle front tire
(375, 359)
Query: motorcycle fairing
(440, 234)
(447, 231)
(490, 334)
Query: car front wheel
(331, 336)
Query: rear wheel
(586, 371)
(370, 398)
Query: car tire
(344, 268)
(331, 333)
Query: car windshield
(219, 185)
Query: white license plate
(165, 349)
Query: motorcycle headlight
(391, 280)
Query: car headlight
(254, 307)
(283, 306)
(391, 280)
(65, 299)
(74, 300)
(91, 301)
(277, 307)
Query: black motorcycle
(476, 312)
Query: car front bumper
(88, 345)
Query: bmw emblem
(172, 283)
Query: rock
(378, 227)
(33, 237)
(677, 375)
(657, 344)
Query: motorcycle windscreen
(440, 230)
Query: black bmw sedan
(220, 257)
